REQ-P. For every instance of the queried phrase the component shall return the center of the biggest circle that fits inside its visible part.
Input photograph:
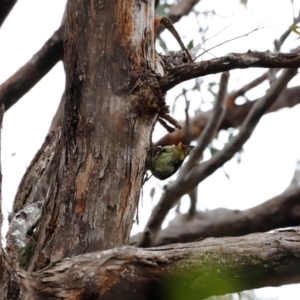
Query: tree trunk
(111, 107)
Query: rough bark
(112, 102)
(179, 271)
(251, 59)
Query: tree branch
(278, 212)
(234, 114)
(34, 173)
(183, 184)
(27, 208)
(196, 270)
(181, 9)
(231, 61)
(248, 126)
(5, 8)
(211, 127)
(279, 42)
(33, 71)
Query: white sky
(270, 155)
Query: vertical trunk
(111, 108)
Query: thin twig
(279, 42)
(247, 87)
(230, 40)
(195, 50)
(187, 116)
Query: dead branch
(233, 264)
(232, 61)
(33, 71)
(278, 212)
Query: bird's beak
(188, 149)
(184, 150)
(180, 148)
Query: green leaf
(190, 45)
(295, 28)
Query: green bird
(167, 160)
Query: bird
(168, 159)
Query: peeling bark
(189, 271)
